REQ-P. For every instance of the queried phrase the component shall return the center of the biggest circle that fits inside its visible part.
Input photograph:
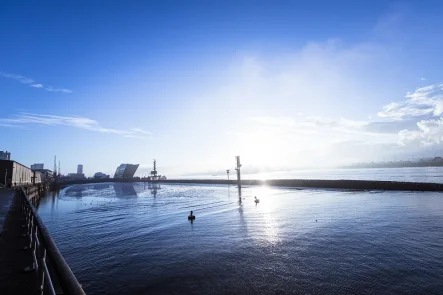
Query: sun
(261, 149)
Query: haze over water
(134, 239)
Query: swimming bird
(191, 217)
(256, 200)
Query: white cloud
(52, 89)
(25, 119)
(426, 100)
(310, 124)
(31, 83)
(19, 78)
(423, 79)
(141, 131)
(430, 132)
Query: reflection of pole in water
(238, 175)
(243, 227)
(153, 188)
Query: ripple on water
(132, 239)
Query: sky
(283, 84)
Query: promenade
(13, 259)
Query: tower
(154, 172)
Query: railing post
(42, 286)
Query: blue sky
(285, 84)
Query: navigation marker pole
(238, 175)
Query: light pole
(6, 174)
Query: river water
(132, 238)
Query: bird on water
(191, 216)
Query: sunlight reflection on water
(128, 238)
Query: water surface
(136, 239)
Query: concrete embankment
(327, 184)
(307, 183)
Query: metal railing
(52, 270)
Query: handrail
(43, 241)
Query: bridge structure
(30, 260)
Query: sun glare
(261, 148)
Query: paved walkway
(6, 197)
(13, 260)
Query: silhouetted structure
(5, 155)
(100, 175)
(154, 171)
(126, 171)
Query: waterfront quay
(30, 261)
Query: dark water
(131, 239)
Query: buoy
(191, 217)
(256, 200)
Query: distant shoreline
(392, 165)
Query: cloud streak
(313, 124)
(25, 119)
(32, 83)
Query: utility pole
(238, 175)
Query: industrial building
(37, 166)
(126, 171)
(100, 175)
(5, 155)
(15, 174)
